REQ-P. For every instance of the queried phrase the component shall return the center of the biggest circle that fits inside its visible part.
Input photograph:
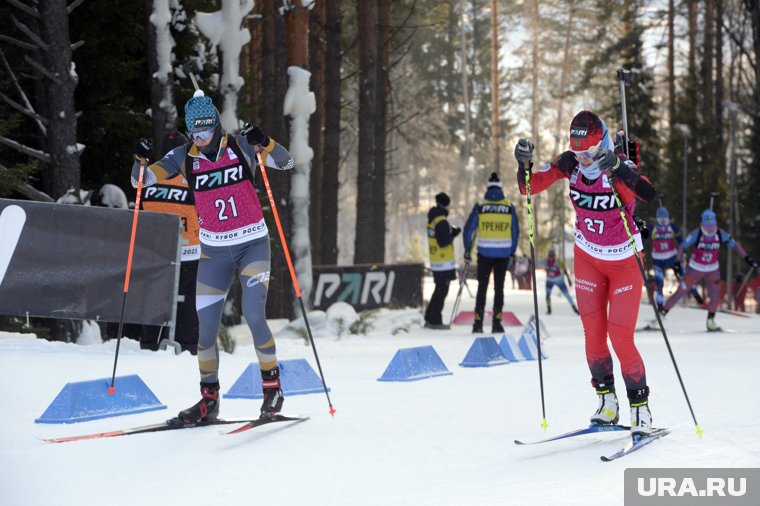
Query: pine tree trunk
(495, 126)
(164, 112)
(63, 172)
(369, 245)
(273, 62)
(316, 127)
(330, 184)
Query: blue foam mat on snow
(484, 352)
(89, 400)
(412, 364)
(296, 378)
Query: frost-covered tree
(41, 88)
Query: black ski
(591, 429)
(636, 444)
(156, 427)
(268, 419)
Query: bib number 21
(224, 212)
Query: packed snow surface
(441, 441)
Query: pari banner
(69, 261)
(368, 286)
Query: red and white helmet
(587, 131)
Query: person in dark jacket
(440, 235)
(494, 221)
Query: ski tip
(699, 430)
(605, 459)
(519, 443)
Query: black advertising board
(368, 286)
(69, 261)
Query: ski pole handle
(135, 217)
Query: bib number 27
(595, 226)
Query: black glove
(607, 160)
(455, 231)
(678, 268)
(643, 229)
(750, 261)
(467, 258)
(143, 148)
(254, 135)
(524, 153)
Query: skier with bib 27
(234, 236)
(607, 279)
(704, 264)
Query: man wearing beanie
(494, 222)
(440, 235)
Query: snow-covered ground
(444, 440)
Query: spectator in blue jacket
(493, 221)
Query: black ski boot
(496, 324)
(273, 398)
(205, 409)
(477, 326)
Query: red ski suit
(608, 282)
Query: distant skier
(440, 236)
(234, 237)
(704, 264)
(493, 220)
(665, 240)
(555, 276)
(607, 278)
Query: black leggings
(499, 268)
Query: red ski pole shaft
(297, 289)
(135, 216)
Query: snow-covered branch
(299, 104)
(222, 28)
(40, 155)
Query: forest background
(413, 97)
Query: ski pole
(747, 277)
(624, 78)
(535, 295)
(135, 215)
(459, 292)
(293, 275)
(712, 198)
(651, 298)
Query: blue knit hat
(200, 113)
(708, 217)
